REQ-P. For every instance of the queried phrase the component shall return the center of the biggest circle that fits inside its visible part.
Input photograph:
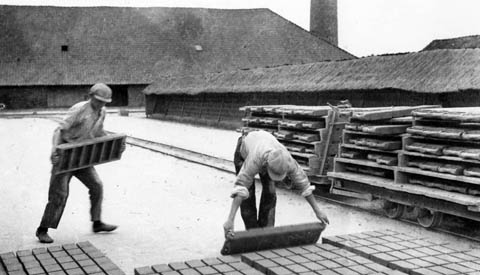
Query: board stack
(370, 147)
(442, 151)
(430, 161)
(310, 133)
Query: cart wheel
(393, 210)
(428, 218)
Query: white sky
(365, 27)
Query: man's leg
(91, 180)
(57, 199)
(268, 201)
(248, 209)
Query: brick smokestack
(323, 20)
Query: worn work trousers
(268, 200)
(58, 194)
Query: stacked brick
(306, 131)
(211, 266)
(370, 145)
(432, 169)
(70, 259)
(308, 259)
(409, 254)
(442, 152)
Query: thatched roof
(134, 45)
(465, 42)
(427, 72)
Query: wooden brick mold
(272, 237)
(69, 259)
(74, 156)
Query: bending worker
(83, 121)
(259, 152)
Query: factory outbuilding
(49, 56)
(449, 77)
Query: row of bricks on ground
(409, 254)
(311, 259)
(231, 265)
(70, 259)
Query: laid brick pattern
(313, 259)
(409, 254)
(70, 259)
(231, 265)
(309, 259)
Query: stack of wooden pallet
(371, 142)
(442, 151)
(310, 133)
(434, 167)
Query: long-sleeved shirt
(254, 149)
(82, 122)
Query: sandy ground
(167, 209)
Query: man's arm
(228, 226)
(245, 178)
(301, 182)
(56, 140)
(319, 213)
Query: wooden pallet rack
(435, 171)
(74, 156)
(310, 133)
(370, 147)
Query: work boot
(99, 226)
(43, 237)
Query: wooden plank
(446, 158)
(377, 143)
(290, 123)
(272, 238)
(368, 149)
(414, 200)
(437, 132)
(306, 137)
(367, 163)
(408, 188)
(385, 129)
(417, 171)
(382, 159)
(461, 114)
(347, 193)
(387, 112)
(437, 185)
(424, 148)
(287, 135)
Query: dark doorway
(119, 95)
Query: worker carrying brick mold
(83, 121)
(259, 152)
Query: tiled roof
(427, 72)
(136, 45)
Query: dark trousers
(58, 194)
(268, 200)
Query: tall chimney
(323, 20)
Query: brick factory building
(447, 77)
(49, 56)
